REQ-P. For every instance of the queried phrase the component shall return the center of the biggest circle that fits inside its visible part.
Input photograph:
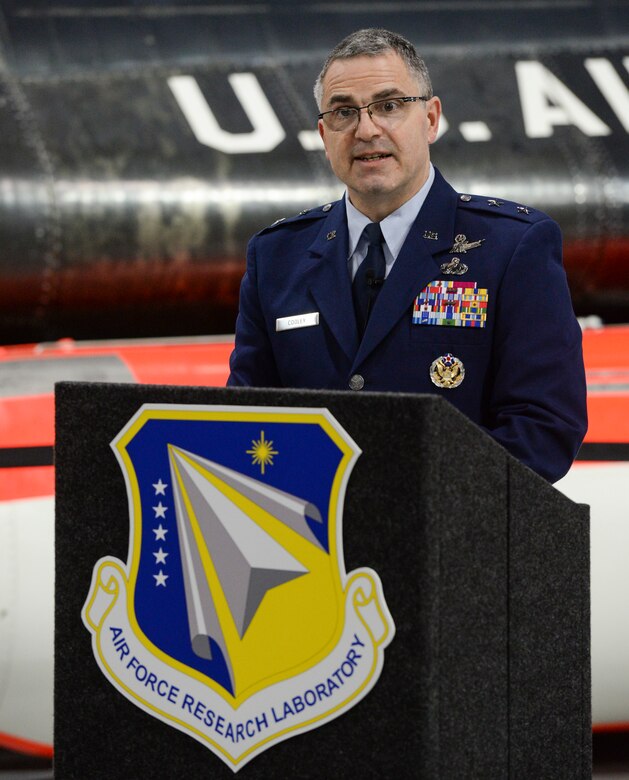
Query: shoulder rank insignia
(447, 371)
(461, 244)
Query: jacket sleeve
(252, 362)
(537, 399)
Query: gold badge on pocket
(447, 371)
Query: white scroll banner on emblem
(297, 704)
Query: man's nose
(366, 127)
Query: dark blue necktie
(369, 276)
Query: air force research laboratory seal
(233, 619)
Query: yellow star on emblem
(262, 452)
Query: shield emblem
(235, 594)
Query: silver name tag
(297, 321)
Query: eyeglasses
(386, 112)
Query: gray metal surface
(38, 377)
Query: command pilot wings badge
(233, 619)
(462, 245)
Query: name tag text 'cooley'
(297, 321)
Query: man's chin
(374, 189)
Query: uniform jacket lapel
(414, 267)
(330, 284)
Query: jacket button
(357, 382)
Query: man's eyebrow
(348, 100)
(385, 93)
(344, 99)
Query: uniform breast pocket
(299, 339)
(307, 356)
(448, 334)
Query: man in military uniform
(406, 285)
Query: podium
(484, 567)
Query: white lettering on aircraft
(545, 100)
(267, 132)
(611, 86)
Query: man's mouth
(371, 157)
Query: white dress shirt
(395, 228)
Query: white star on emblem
(160, 533)
(160, 557)
(160, 487)
(160, 510)
(160, 579)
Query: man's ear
(321, 129)
(433, 115)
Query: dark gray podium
(484, 566)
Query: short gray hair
(371, 42)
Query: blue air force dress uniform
(476, 308)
